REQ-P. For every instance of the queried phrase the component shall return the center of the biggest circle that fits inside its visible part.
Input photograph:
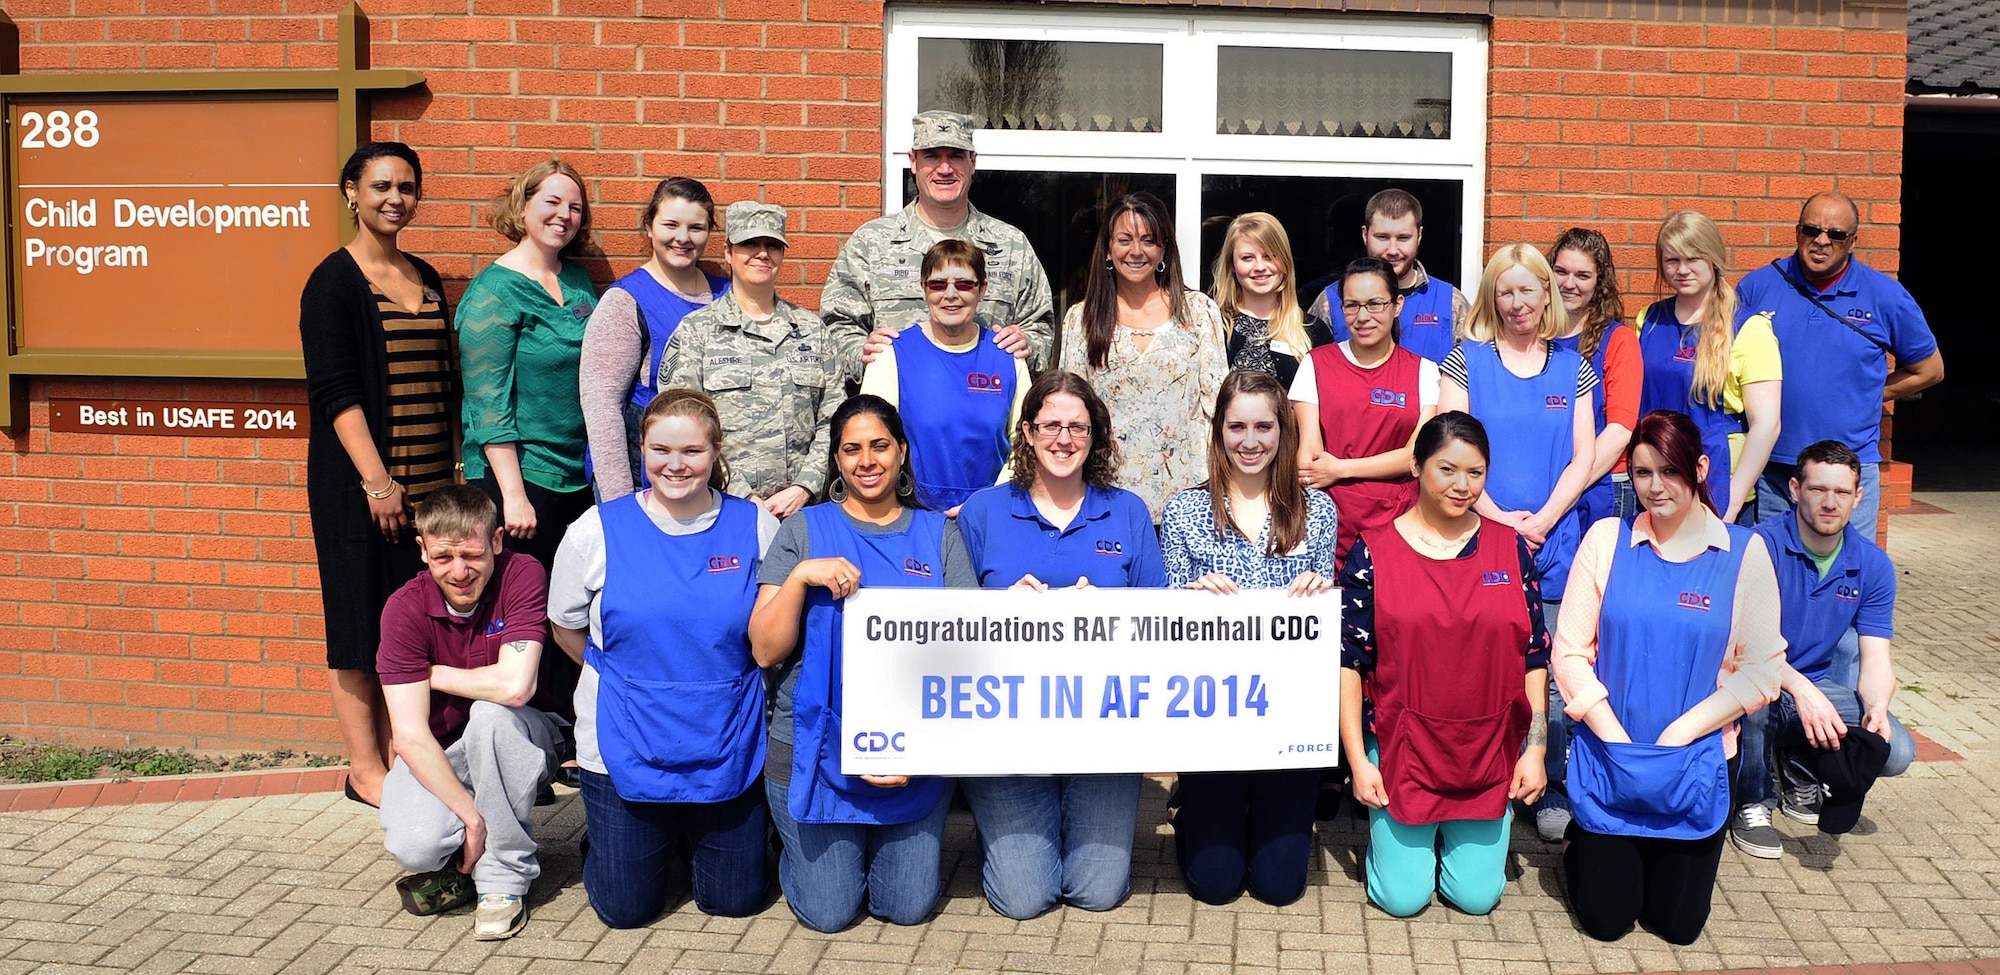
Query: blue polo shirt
(1833, 377)
(1111, 541)
(1858, 592)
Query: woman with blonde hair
(1261, 319)
(1707, 356)
(1536, 401)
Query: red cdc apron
(1449, 684)
(1364, 412)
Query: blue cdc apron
(1600, 500)
(680, 701)
(660, 312)
(1667, 349)
(959, 438)
(1529, 421)
(1661, 638)
(909, 559)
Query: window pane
(1059, 214)
(1355, 94)
(1322, 216)
(1063, 86)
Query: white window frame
(1188, 146)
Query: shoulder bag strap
(1800, 287)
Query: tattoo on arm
(1538, 729)
(520, 646)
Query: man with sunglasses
(1837, 321)
(876, 288)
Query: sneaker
(1751, 830)
(1801, 803)
(499, 917)
(1552, 816)
(425, 894)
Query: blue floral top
(1191, 547)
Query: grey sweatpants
(503, 759)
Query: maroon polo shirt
(419, 630)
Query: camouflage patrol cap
(942, 130)
(749, 220)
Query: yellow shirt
(1753, 358)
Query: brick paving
(299, 884)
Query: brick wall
(161, 591)
(1616, 124)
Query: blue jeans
(632, 847)
(1556, 761)
(1777, 731)
(1628, 499)
(827, 869)
(1774, 495)
(1238, 828)
(1049, 838)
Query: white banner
(1007, 682)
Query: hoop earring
(1162, 269)
(837, 491)
(1107, 265)
(904, 487)
(353, 207)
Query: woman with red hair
(1669, 636)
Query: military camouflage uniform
(877, 281)
(776, 384)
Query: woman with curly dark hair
(1059, 523)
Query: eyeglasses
(1812, 232)
(941, 285)
(1375, 306)
(1054, 431)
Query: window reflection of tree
(1070, 86)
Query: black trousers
(555, 688)
(1618, 881)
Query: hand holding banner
(1009, 682)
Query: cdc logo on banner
(979, 682)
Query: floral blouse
(1191, 547)
(1161, 399)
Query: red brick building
(161, 591)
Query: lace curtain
(1062, 86)
(1353, 94)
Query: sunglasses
(961, 285)
(1812, 232)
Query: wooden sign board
(184, 223)
(162, 223)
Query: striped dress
(421, 364)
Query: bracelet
(381, 495)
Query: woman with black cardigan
(382, 381)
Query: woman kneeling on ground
(1443, 643)
(849, 840)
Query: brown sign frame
(348, 84)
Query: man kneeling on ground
(1838, 599)
(458, 661)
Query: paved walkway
(300, 885)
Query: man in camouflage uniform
(876, 285)
(769, 365)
